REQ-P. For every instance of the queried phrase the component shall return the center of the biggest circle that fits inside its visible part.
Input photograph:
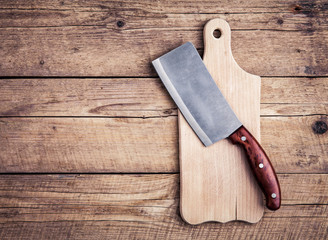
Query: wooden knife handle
(260, 165)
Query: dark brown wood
(260, 165)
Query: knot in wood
(319, 127)
(120, 23)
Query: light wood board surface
(216, 182)
(89, 135)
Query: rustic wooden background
(88, 134)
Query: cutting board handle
(217, 39)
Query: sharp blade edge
(179, 102)
(194, 91)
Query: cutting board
(216, 181)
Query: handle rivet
(261, 165)
(273, 195)
(243, 138)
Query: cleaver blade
(199, 99)
(201, 102)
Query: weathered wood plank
(142, 145)
(294, 96)
(133, 97)
(88, 145)
(130, 18)
(294, 90)
(91, 41)
(113, 197)
(295, 143)
(143, 97)
(99, 51)
(266, 229)
(168, 6)
(288, 109)
(145, 205)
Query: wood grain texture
(88, 145)
(132, 19)
(279, 137)
(168, 6)
(290, 109)
(144, 206)
(37, 38)
(216, 181)
(114, 97)
(156, 194)
(143, 97)
(141, 145)
(267, 229)
(119, 38)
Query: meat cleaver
(194, 91)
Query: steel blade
(196, 94)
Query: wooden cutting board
(216, 182)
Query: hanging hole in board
(217, 33)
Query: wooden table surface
(88, 134)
